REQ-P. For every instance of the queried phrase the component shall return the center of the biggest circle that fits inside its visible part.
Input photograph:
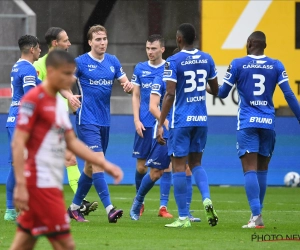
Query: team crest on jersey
(167, 65)
(112, 68)
(284, 74)
(195, 57)
(155, 87)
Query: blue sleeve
(119, 73)
(29, 78)
(290, 98)
(157, 87)
(229, 80)
(281, 73)
(170, 71)
(135, 76)
(213, 73)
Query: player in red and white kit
(43, 132)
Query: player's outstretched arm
(21, 196)
(139, 127)
(213, 86)
(81, 150)
(154, 107)
(290, 98)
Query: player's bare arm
(154, 108)
(212, 87)
(21, 195)
(139, 127)
(127, 86)
(78, 148)
(166, 106)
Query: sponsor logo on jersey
(27, 108)
(193, 57)
(112, 68)
(196, 118)
(257, 64)
(147, 85)
(14, 70)
(29, 79)
(167, 65)
(92, 67)
(155, 87)
(11, 119)
(167, 73)
(94, 146)
(145, 73)
(284, 74)
(15, 103)
(135, 153)
(261, 120)
(101, 82)
(194, 61)
(133, 78)
(258, 103)
(195, 98)
(227, 76)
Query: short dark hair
(52, 34)
(156, 37)
(188, 33)
(258, 39)
(58, 57)
(26, 42)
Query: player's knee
(155, 174)
(70, 245)
(140, 167)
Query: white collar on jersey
(20, 60)
(90, 54)
(156, 66)
(257, 57)
(190, 51)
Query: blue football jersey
(159, 88)
(143, 76)
(190, 69)
(23, 77)
(95, 79)
(256, 78)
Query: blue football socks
(165, 185)
(84, 185)
(262, 181)
(201, 180)
(10, 184)
(189, 191)
(145, 187)
(180, 191)
(102, 188)
(252, 191)
(138, 179)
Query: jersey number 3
(259, 84)
(201, 77)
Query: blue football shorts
(183, 141)
(158, 157)
(255, 140)
(10, 133)
(142, 146)
(95, 137)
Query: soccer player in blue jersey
(143, 76)
(186, 74)
(23, 77)
(96, 72)
(256, 77)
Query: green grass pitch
(281, 215)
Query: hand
(166, 124)
(139, 127)
(127, 87)
(114, 171)
(21, 197)
(159, 135)
(74, 101)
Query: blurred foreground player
(43, 131)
